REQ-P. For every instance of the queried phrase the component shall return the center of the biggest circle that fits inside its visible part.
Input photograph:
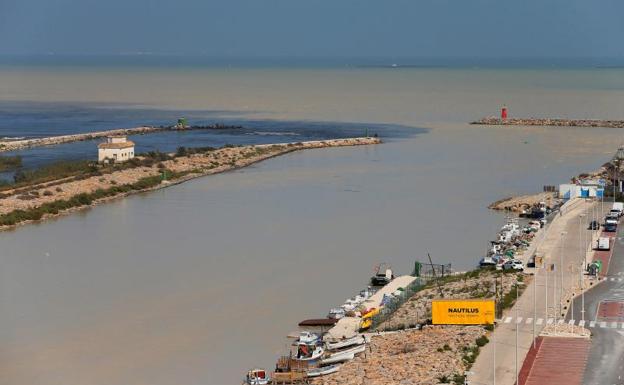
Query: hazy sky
(427, 28)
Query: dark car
(594, 225)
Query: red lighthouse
(504, 112)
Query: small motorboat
(343, 355)
(383, 275)
(344, 343)
(257, 377)
(323, 370)
(306, 337)
(336, 313)
(308, 352)
(337, 358)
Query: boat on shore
(344, 343)
(323, 370)
(343, 355)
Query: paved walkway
(544, 363)
(498, 359)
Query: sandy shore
(182, 168)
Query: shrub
(482, 341)
(47, 193)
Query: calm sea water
(196, 283)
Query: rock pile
(490, 120)
(433, 355)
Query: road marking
(549, 322)
(519, 320)
(592, 324)
(571, 322)
(539, 321)
(560, 322)
(613, 325)
(507, 320)
(603, 324)
(582, 323)
(529, 320)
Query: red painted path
(545, 364)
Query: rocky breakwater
(433, 355)
(525, 203)
(12, 145)
(550, 122)
(98, 183)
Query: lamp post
(563, 233)
(583, 257)
(616, 161)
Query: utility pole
(517, 325)
(534, 302)
(563, 233)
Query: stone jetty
(12, 145)
(54, 197)
(550, 122)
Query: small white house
(115, 149)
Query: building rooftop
(126, 144)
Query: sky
(315, 28)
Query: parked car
(514, 264)
(594, 225)
(610, 225)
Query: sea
(196, 283)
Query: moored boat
(308, 352)
(257, 376)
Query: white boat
(323, 370)
(336, 313)
(336, 358)
(309, 352)
(257, 377)
(306, 337)
(356, 340)
(343, 355)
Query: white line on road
(582, 323)
(592, 324)
(539, 321)
(549, 322)
(529, 320)
(571, 322)
(519, 320)
(507, 320)
(560, 322)
(603, 324)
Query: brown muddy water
(198, 282)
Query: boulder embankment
(524, 203)
(50, 197)
(12, 145)
(550, 122)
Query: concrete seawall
(550, 122)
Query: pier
(556, 122)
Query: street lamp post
(563, 233)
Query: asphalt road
(605, 364)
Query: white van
(618, 207)
(603, 243)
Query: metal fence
(396, 301)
